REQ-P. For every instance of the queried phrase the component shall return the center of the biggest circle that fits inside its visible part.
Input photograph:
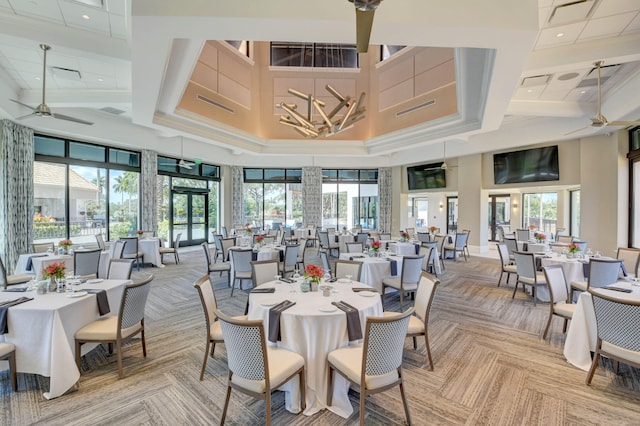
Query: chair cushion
(622, 353)
(564, 309)
(416, 326)
(395, 283)
(219, 267)
(243, 275)
(511, 269)
(579, 285)
(348, 361)
(105, 329)
(282, 364)
(19, 278)
(540, 280)
(6, 349)
(167, 250)
(216, 329)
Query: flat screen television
(426, 176)
(530, 165)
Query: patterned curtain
(237, 207)
(148, 175)
(385, 189)
(312, 193)
(16, 192)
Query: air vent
(214, 103)
(571, 12)
(111, 110)
(92, 3)
(66, 73)
(416, 107)
(591, 82)
(536, 80)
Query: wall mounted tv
(530, 165)
(426, 176)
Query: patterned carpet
(491, 366)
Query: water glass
(348, 278)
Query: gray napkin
(30, 261)
(4, 308)
(354, 329)
(274, 319)
(263, 290)
(394, 266)
(359, 289)
(102, 300)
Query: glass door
(499, 215)
(189, 215)
(452, 215)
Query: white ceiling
(139, 63)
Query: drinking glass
(348, 277)
(277, 278)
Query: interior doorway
(189, 215)
(499, 215)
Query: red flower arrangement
(532, 227)
(405, 235)
(65, 244)
(573, 248)
(314, 273)
(540, 236)
(140, 232)
(433, 229)
(259, 238)
(56, 269)
(375, 246)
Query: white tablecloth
(41, 262)
(572, 268)
(582, 335)
(313, 334)
(150, 248)
(532, 247)
(402, 248)
(374, 269)
(43, 331)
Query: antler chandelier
(327, 126)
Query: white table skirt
(402, 248)
(43, 331)
(582, 334)
(374, 269)
(40, 263)
(313, 334)
(532, 247)
(150, 248)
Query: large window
(83, 189)
(272, 197)
(540, 210)
(350, 198)
(574, 213)
(634, 187)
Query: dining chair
(459, 243)
(302, 249)
(376, 365)
(8, 353)
(223, 232)
(327, 245)
(225, 245)
(441, 240)
(564, 239)
(559, 302)
(426, 252)
(348, 267)
(385, 237)
(215, 266)
(312, 238)
(118, 248)
(172, 250)
(131, 250)
(522, 235)
(433, 257)
(217, 240)
(209, 305)
(419, 321)
(512, 247)
(408, 279)
(582, 245)
(269, 239)
(423, 237)
(86, 263)
(410, 231)
(631, 259)
(363, 239)
(466, 242)
(42, 247)
(256, 369)
(506, 264)
(601, 272)
(240, 260)
(120, 269)
(288, 266)
(617, 323)
(324, 258)
(527, 274)
(118, 329)
(100, 240)
(263, 271)
(354, 247)
(8, 280)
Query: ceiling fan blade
(75, 120)
(23, 104)
(364, 23)
(576, 131)
(624, 123)
(22, 117)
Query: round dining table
(313, 327)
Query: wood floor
(491, 367)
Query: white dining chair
(8, 353)
(601, 272)
(512, 247)
(348, 267)
(354, 247)
(240, 260)
(559, 302)
(506, 265)
(118, 248)
(8, 280)
(263, 271)
(324, 258)
(131, 250)
(302, 249)
(527, 274)
(631, 259)
(458, 246)
(522, 234)
(408, 279)
(213, 266)
(288, 266)
(172, 250)
(120, 269)
(86, 263)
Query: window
(574, 213)
(272, 197)
(540, 210)
(350, 198)
(83, 189)
(321, 55)
(634, 187)
(388, 50)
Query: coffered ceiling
(521, 68)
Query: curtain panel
(385, 189)
(237, 193)
(148, 177)
(16, 192)
(312, 195)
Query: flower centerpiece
(247, 228)
(532, 227)
(53, 271)
(540, 237)
(259, 239)
(65, 244)
(573, 248)
(375, 247)
(405, 236)
(139, 232)
(433, 229)
(313, 273)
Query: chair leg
(329, 386)
(206, 358)
(500, 279)
(119, 355)
(514, 290)
(401, 297)
(564, 327)
(426, 344)
(144, 342)
(78, 355)
(267, 401)
(546, 329)
(303, 396)
(404, 399)
(13, 371)
(415, 343)
(362, 400)
(226, 401)
(594, 363)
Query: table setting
(376, 268)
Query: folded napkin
(287, 280)
(360, 256)
(449, 239)
(394, 266)
(264, 290)
(101, 298)
(359, 289)
(274, 319)
(354, 330)
(624, 269)
(417, 249)
(585, 269)
(615, 288)
(525, 246)
(30, 261)
(15, 289)
(4, 308)
(254, 255)
(538, 263)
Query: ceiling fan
(600, 120)
(365, 10)
(444, 165)
(183, 164)
(43, 109)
